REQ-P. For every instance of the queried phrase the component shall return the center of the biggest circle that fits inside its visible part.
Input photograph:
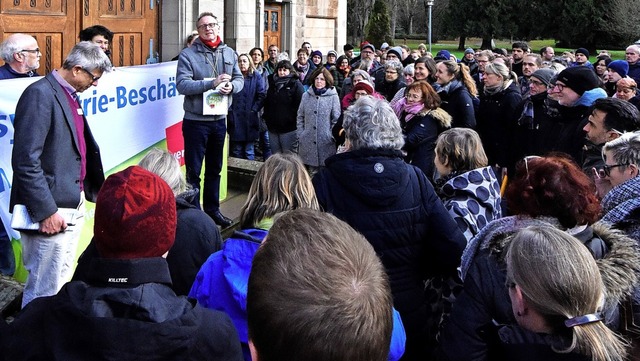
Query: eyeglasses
(36, 50)
(413, 96)
(93, 77)
(535, 82)
(207, 26)
(366, 52)
(558, 86)
(606, 169)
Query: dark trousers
(204, 140)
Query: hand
(603, 185)
(227, 88)
(53, 224)
(222, 78)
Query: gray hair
(363, 74)
(409, 69)
(88, 56)
(395, 65)
(625, 149)
(500, 69)
(13, 44)
(371, 124)
(164, 165)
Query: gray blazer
(46, 159)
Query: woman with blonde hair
(458, 92)
(498, 102)
(558, 306)
(468, 186)
(243, 119)
(281, 184)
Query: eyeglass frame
(559, 86)
(606, 169)
(93, 77)
(209, 25)
(36, 51)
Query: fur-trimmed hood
(439, 115)
(619, 267)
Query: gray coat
(198, 62)
(317, 114)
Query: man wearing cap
(469, 59)
(127, 309)
(368, 52)
(576, 89)
(442, 55)
(582, 58)
(616, 70)
(331, 59)
(609, 119)
(518, 51)
(632, 55)
(536, 127)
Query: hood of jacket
(440, 115)
(467, 186)
(330, 91)
(377, 177)
(590, 96)
(619, 267)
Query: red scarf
(211, 44)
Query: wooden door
(272, 26)
(134, 24)
(51, 22)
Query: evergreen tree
(379, 26)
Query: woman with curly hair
(545, 191)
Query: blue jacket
(222, 284)
(243, 121)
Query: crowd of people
(410, 207)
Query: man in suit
(56, 164)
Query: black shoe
(220, 219)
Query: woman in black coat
(458, 93)
(281, 107)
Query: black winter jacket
(126, 311)
(281, 105)
(459, 103)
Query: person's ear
(519, 302)
(254, 352)
(633, 169)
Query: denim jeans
(204, 140)
(265, 145)
(244, 150)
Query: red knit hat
(363, 85)
(135, 215)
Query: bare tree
(358, 12)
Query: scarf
(318, 92)
(301, 69)
(212, 44)
(409, 110)
(281, 81)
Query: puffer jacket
(195, 64)
(395, 207)
(420, 136)
(282, 103)
(317, 115)
(459, 103)
(485, 297)
(472, 199)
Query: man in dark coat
(127, 309)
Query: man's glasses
(606, 170)
(535, 82)
(207, 26)
(558, 86)
(93, 77)
(36, 50)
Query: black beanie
(579, 79)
